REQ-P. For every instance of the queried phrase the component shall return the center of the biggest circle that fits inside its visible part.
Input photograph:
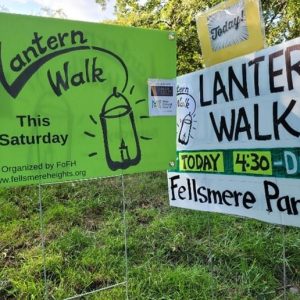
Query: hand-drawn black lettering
(189, 190)
(15, 88)
(52, 42)
(219, 90)
(36, 40)
(242, 125)
(79, 34)
(232, 78)
(17, 63)
(281, 120)
(222, 130)
(36, 50)
(258, 135)
(204, 162)
(255, 62)
(173, 185)
(248, 200)
(224, 86)
(284, 203)
(201, 86)
(237, 127)
(272, 73)
(18, 84)
(218, 31)
(182, 90)
(62, 79)
(228, 27)
(26, 54)
(231, 127)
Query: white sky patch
(18, 1)
(83, 10)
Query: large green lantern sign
(74, 100)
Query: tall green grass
(172, 253)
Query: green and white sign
(74, 100)
(238, 137)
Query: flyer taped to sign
(162, 97)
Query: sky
(83, 10)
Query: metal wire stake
(95, 291)
(125, 235)
(210, 255)
(46, 295)
(284, 263)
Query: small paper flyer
(162, 97)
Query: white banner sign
(267, 199)
(247, 102)
(238, 125)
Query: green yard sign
(74, 100)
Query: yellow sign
(230, 29)
(203, 161)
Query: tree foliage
(281, 17)
(282, 20)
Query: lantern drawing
(122, 148)
(185, 130)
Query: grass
(173, 253)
